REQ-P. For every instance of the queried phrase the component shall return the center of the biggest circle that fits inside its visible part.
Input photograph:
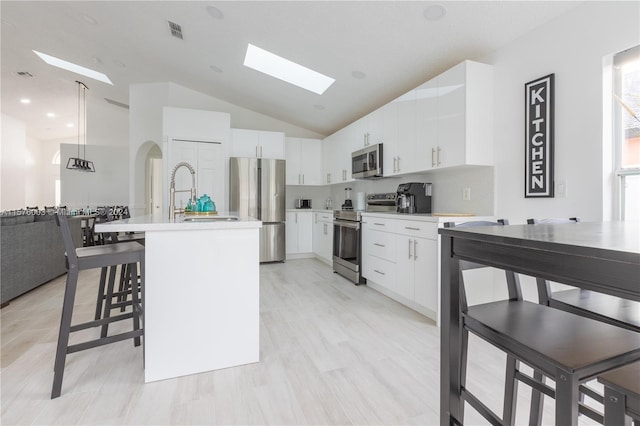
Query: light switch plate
(466, 194)
(561, 188)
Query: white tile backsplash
(447, 189)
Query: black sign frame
(539, 137)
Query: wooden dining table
(598, 256)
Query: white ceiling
(391, 42)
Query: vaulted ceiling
(376, 51)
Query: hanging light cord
(83, 98)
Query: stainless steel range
(347, 242)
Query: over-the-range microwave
(367, 162)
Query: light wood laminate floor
(331, 353)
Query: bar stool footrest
(103, 341)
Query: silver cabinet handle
(378, 272)
(439, 150)
(415, 249)
(328, 177)
(409, 248)
(379, 224)
(433, 157)
(316, 220)
(412, 229)
(379, 245)
(256, 150)
(303, 179)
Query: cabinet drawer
(380, 224)
(379, 271)
(414, 228)
(381, 244)
(323, 217)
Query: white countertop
(428, 217)
(155, 223)
(311, 210)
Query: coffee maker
(414, 197)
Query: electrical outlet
(561, 188)
(466, 194)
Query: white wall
(34, 166)
(109, 185)
(572, 46)
(12, 163)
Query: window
(626, 129)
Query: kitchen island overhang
(201, 293)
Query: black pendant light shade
(77, 163)
(80, 164)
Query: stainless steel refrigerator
(257, 189)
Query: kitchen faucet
(172, 190)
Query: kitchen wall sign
(539, 99)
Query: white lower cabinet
(299, 232)
(323, 236)
(400, 258)
(417, 271)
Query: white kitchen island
(201, 293)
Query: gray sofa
(31, 251)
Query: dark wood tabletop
(598, 256)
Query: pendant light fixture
(81, 163)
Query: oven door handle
(345, 224)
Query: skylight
(285, 70)
(57, 62)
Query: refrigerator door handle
(259, 195)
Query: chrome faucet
(172, 190)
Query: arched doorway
(147, 180)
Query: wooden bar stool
(621, 395)
(568, 348)
(89, 258)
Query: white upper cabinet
(426, 125)
(445, 122)
(336, 154)
(464, 119)
(304, 161)
(257, 143)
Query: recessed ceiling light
(25, 101)
(50, 115)
(286, 70)
(69, 125)
(214, 68)
(60, 63)
(435, 12)
(89, 19)
(214, 12)
(319, 107)
(358, 74)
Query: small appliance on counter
(303, 203)
(414, 197)
(382, 202)
(348, 204)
